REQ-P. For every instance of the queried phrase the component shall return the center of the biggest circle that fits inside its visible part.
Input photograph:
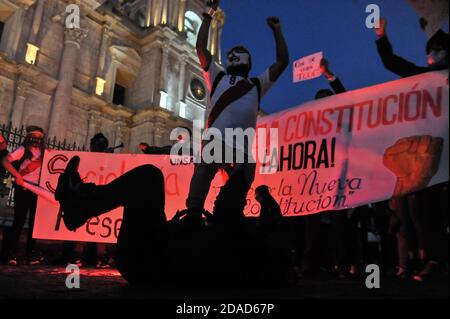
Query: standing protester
(3, 153)
(24, 164)
(414, 222)
(343, 230)
(334, 81)
(270, 215)
(234, 103)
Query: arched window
(192, 23)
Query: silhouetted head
(437, 48)
(239, 61)
(99, 143)
(323, 93)
(35, 136)
(143, 147)
(262, 193)
(184, 134)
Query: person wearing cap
(24, 164)
(436, 50)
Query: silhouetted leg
(21, 207)
(200, 184)
(30, 240)
(404, 234)
(139, 246)
(310, 263)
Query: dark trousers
(411, 230)
(140, 245)
(346, 239)
(312, 243)
(24, 202)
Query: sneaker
(431, 271)
(71, 193)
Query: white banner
(343, 151)
(308, 67)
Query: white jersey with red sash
(234, 102)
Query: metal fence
(15, 136)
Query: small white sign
(308, 67)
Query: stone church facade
(129, 71)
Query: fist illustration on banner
(414, 160)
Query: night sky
(335, 27)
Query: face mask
(35, 141)
(238, 63)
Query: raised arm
(282, 50)
(335, 82)
(394, 63)
(202, 39)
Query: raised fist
(214, 4)
(324, 66)
(274, 23)
(381, 31)
(414, 160)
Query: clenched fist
(381, 31)
(414, 160)
(274, 23)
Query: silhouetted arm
(282, 50)
(203, 54)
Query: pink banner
(344, 151)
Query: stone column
(164, 67)
(37, 19)
(19, 103)
(181, 13)
(105, 42)
(59, 115)
(101, 64)
(213, 38)
(173, 13)
(92, 126)
(220, 17)
(148, 13)
(165, 12)
(13, 31)
(119, 134)
(181, 83)
(159, 130)
(156, 12)
(215, 35)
